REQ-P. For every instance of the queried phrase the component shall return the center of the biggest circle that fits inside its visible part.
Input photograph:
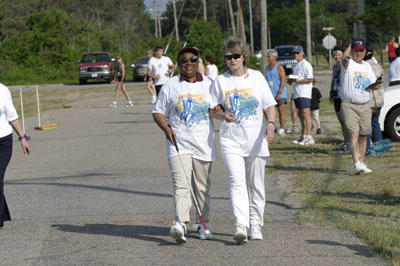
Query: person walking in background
(185, 102)
(391, 50)
(376, 96)
(211, 68)
(315, 100)
(120, 84)
(334, 95)
(159, 69)
(241, 98)
(276, 78)
(302, 88)
(394, 70)
(8, 122)
(357, 78)
(149, 81)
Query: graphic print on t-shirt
(240, 103)
(361, 80)
(192, 109)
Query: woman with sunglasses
(184, 101)
(241, 98)
(120, 84)
(8, 121)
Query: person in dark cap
(357, 79)
(184, 101)
(302, 88)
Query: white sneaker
(295, 130)
(178, 231)
(153, 99)
(241, 234)
(281, 132)
(361, 168)
(113, 104)
(129, 104)
(308, 140)
(202, 232)
(255, 232)
(298, 140)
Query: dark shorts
(392, 83)
(336, 103)
(302, 103)
(158, 89)
(281, 101)
(120, 79)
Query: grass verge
(331, 194)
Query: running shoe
(281, 132)
(361, 168)
(319, 131)
(300, 139)
(178, 231)
(307, 140)
(345, 147)
(241, 234)
(255, 232)
(129, 104)
(113, 105)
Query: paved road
(97, 191)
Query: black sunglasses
(234, 56)
(192, 59)
(295, 52)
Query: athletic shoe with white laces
(129, 104)
(255, 232)
(298, 140)
(241, 234)
(281, 132)
(361, 168)
(113, 104)
(178, 231)
(202, 232)
(307, 140)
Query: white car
(389, 118)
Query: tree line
(40, 40)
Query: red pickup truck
(96, 65)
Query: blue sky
(160, 3)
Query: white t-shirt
(160, 66)
(355, 80)
(246, 97)
(186, 106)
(212, 71)
(303, 70)
(394, 70)
(7, 111)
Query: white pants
(199, 176)
(246, 178)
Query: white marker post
(38, 104)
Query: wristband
(272, 122)
(23, 137)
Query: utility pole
(176, 21)
(264, 33)
(155, 18)
(241, 21)
(232, 18)
(308, 31)
(159, 22)
(251, 28)
(205, 10)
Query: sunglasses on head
(192, 59)
(234, 56)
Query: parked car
(389, 118)
(96, 65)
(140, 69)
(286, 58)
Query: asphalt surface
(97, 191)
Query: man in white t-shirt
(185, 102)
(357, 77)
(159, 68)
(302, 88)
(394, 70)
